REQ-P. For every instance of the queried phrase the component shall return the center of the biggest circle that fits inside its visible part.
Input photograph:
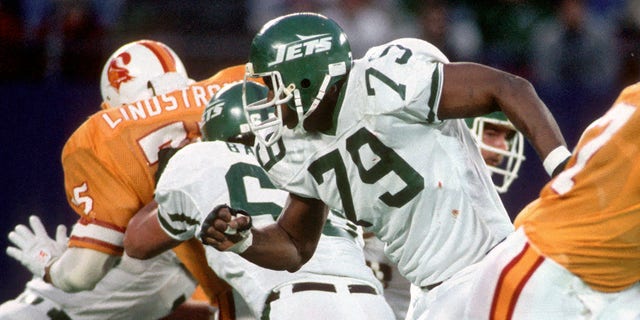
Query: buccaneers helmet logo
(118, 72)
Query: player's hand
(227, 229)
(33, 247)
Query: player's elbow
(80, 269)
(513, 85)
(73, 283)
(293, 267)
(305, 252)
(138, 254)
(135, 250)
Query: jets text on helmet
(307, 45)
(213, 112)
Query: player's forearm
(193, 309)
(524, 108)
(540, 127)
(145, 248)
(272, 248)
(285, 245)
(79, 269)
(291, 241)
(471, 90)
(145, 238)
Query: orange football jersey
(588, 217)
(111, 160)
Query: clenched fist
(227, 229)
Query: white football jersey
(203, 175)
(134, 289)
(396, 287)
(418, 182)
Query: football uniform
(419, 183)
(110, 163)
(147, 289)
(335, 283)
(396, 287)
(576, 252)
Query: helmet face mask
(139, 70)
(225, 119)
(506, 171)
(299, 56)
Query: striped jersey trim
(436, 88)
(86, 221)
(98, 233)
(512, 280)
(84, 242)
(176, 217)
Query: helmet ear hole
(305, 83)
(150, 87)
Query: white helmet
(505, 169)
(140, 70)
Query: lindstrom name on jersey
(192, 96)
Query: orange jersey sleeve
(110, 161)
(588, 217)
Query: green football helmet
(224, 118)
(505, 172)
(298, 56)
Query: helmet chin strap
(298, 102)
(316, 101)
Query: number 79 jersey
(419, 183)
(205, 174)
(588, 218)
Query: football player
(334, 284)
(381, 139)
(576, 251)
(501, 147)
(110, 162)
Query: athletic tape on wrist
(555, 157)
(244, 244)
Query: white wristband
(244, 244)
(554, 158)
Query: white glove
(35, 250)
